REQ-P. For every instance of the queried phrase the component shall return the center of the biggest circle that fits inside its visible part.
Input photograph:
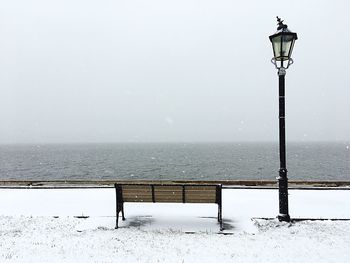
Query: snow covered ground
(40, 225)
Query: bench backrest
(170, 193)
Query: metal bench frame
(120, 201)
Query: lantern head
(282, 42)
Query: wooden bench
(168, 193)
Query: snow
(39, 225)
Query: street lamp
(282, 44)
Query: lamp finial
(280, 24)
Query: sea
(173, 161)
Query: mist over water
(178, 161)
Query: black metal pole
(282, 179)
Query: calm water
(313, 161)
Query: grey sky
(170, 71)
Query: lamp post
(282, 44)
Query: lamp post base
(283, 217)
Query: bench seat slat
(200, 202)
(136, 187)
(194, 200)
(137, 193)
(200, 197)
(171, 196)
(200, 193)
(167, 193)
(200, 188)
(136, 196)
(169, 201)
(138, 200)
(137, 190)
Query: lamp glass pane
(287, 41)
(291, 48)
(276, 44)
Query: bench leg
(119, 204)
(120, 208)
(116, 221)
(220, 217)
(123, 217)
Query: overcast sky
(170, 71)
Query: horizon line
(171, 142)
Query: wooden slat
(201, 201)
(168, 194)
(156, 190)
(200, 187)
(134, 199)
(200, 193)
(137, 192)
(169, 201)
(211, 194)
(167, 188)
(200, 197)
(200, 190)
(136, 196)
(136, 188)
(197, 192)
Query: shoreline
(229, 184)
